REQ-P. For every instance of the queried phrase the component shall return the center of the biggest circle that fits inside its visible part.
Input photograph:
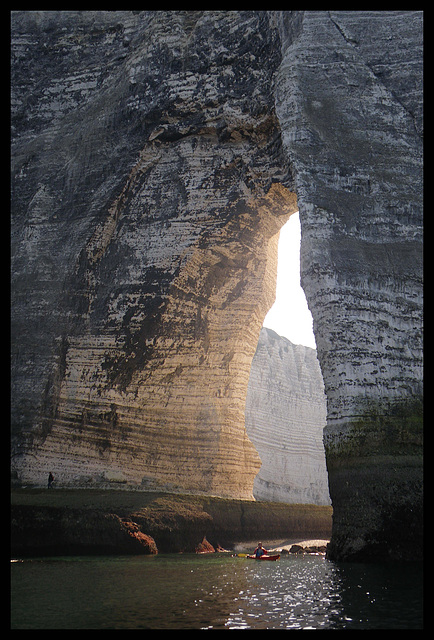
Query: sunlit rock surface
(155, 156)
(149, 189)
(285, 416)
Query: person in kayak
(260, 551)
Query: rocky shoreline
(82, 522)
(315, 547)
(297, 547)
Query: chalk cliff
(285, 416)
(149, 190)
(349, 100)
(155, 156)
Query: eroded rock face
(286, 413)
(349, 100)
(155, 157)
(145, 243)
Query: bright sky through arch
(290, 316)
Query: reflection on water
(213, 592)
(294, 593)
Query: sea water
(214, 591)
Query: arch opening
(290, 316)
(286, 403)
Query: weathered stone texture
(134, 522)
(145, 221)
(355, 139)
(285, 416)
(349, 101)
(155, 155)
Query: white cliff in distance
(285, 417)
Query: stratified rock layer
(349, 100)
(155, 157)
(147, 211)
(285, 417)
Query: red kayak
(264, 557)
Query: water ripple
(197, 592)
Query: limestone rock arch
(155, 155)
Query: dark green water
(213, 592)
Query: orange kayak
(275, 557)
